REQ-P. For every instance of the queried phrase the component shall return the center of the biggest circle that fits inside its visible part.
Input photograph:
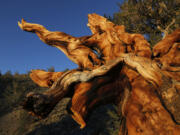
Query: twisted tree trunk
(143, 83)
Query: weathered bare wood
(43, 78)
(162, 47)
(60, 87)
(146, 88)
(146, 67)
(145, 113)
(69, 45)
(113, 40)
(42, 104)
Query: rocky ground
(103, 121)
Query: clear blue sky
(22, 51)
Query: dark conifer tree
(154, 18)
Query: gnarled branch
(69, 45)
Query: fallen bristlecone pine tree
(114, 67)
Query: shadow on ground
(103, 121)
